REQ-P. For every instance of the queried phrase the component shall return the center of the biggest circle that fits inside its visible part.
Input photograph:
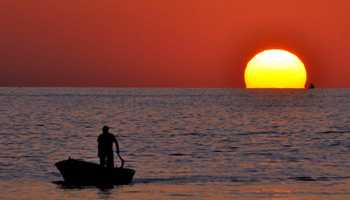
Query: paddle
(121, 160)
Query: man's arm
(116, 144)
(98, 146)
(117, 150)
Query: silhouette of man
(105, 148)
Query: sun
(275, 69)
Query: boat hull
(78, 172)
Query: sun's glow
(275, 69)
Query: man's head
(105, 129)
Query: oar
(121, 160)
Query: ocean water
(183, 143)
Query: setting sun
(275, 69)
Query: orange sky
(172, 43)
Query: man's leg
(110, 160)
(102, 160)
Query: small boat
(311, 86)
(79, 172)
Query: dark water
(184, 143)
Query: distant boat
(311, 86)
(79, 172)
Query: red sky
(167, 43)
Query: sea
(184, 143)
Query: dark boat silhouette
(79, 172)
(311, 86)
